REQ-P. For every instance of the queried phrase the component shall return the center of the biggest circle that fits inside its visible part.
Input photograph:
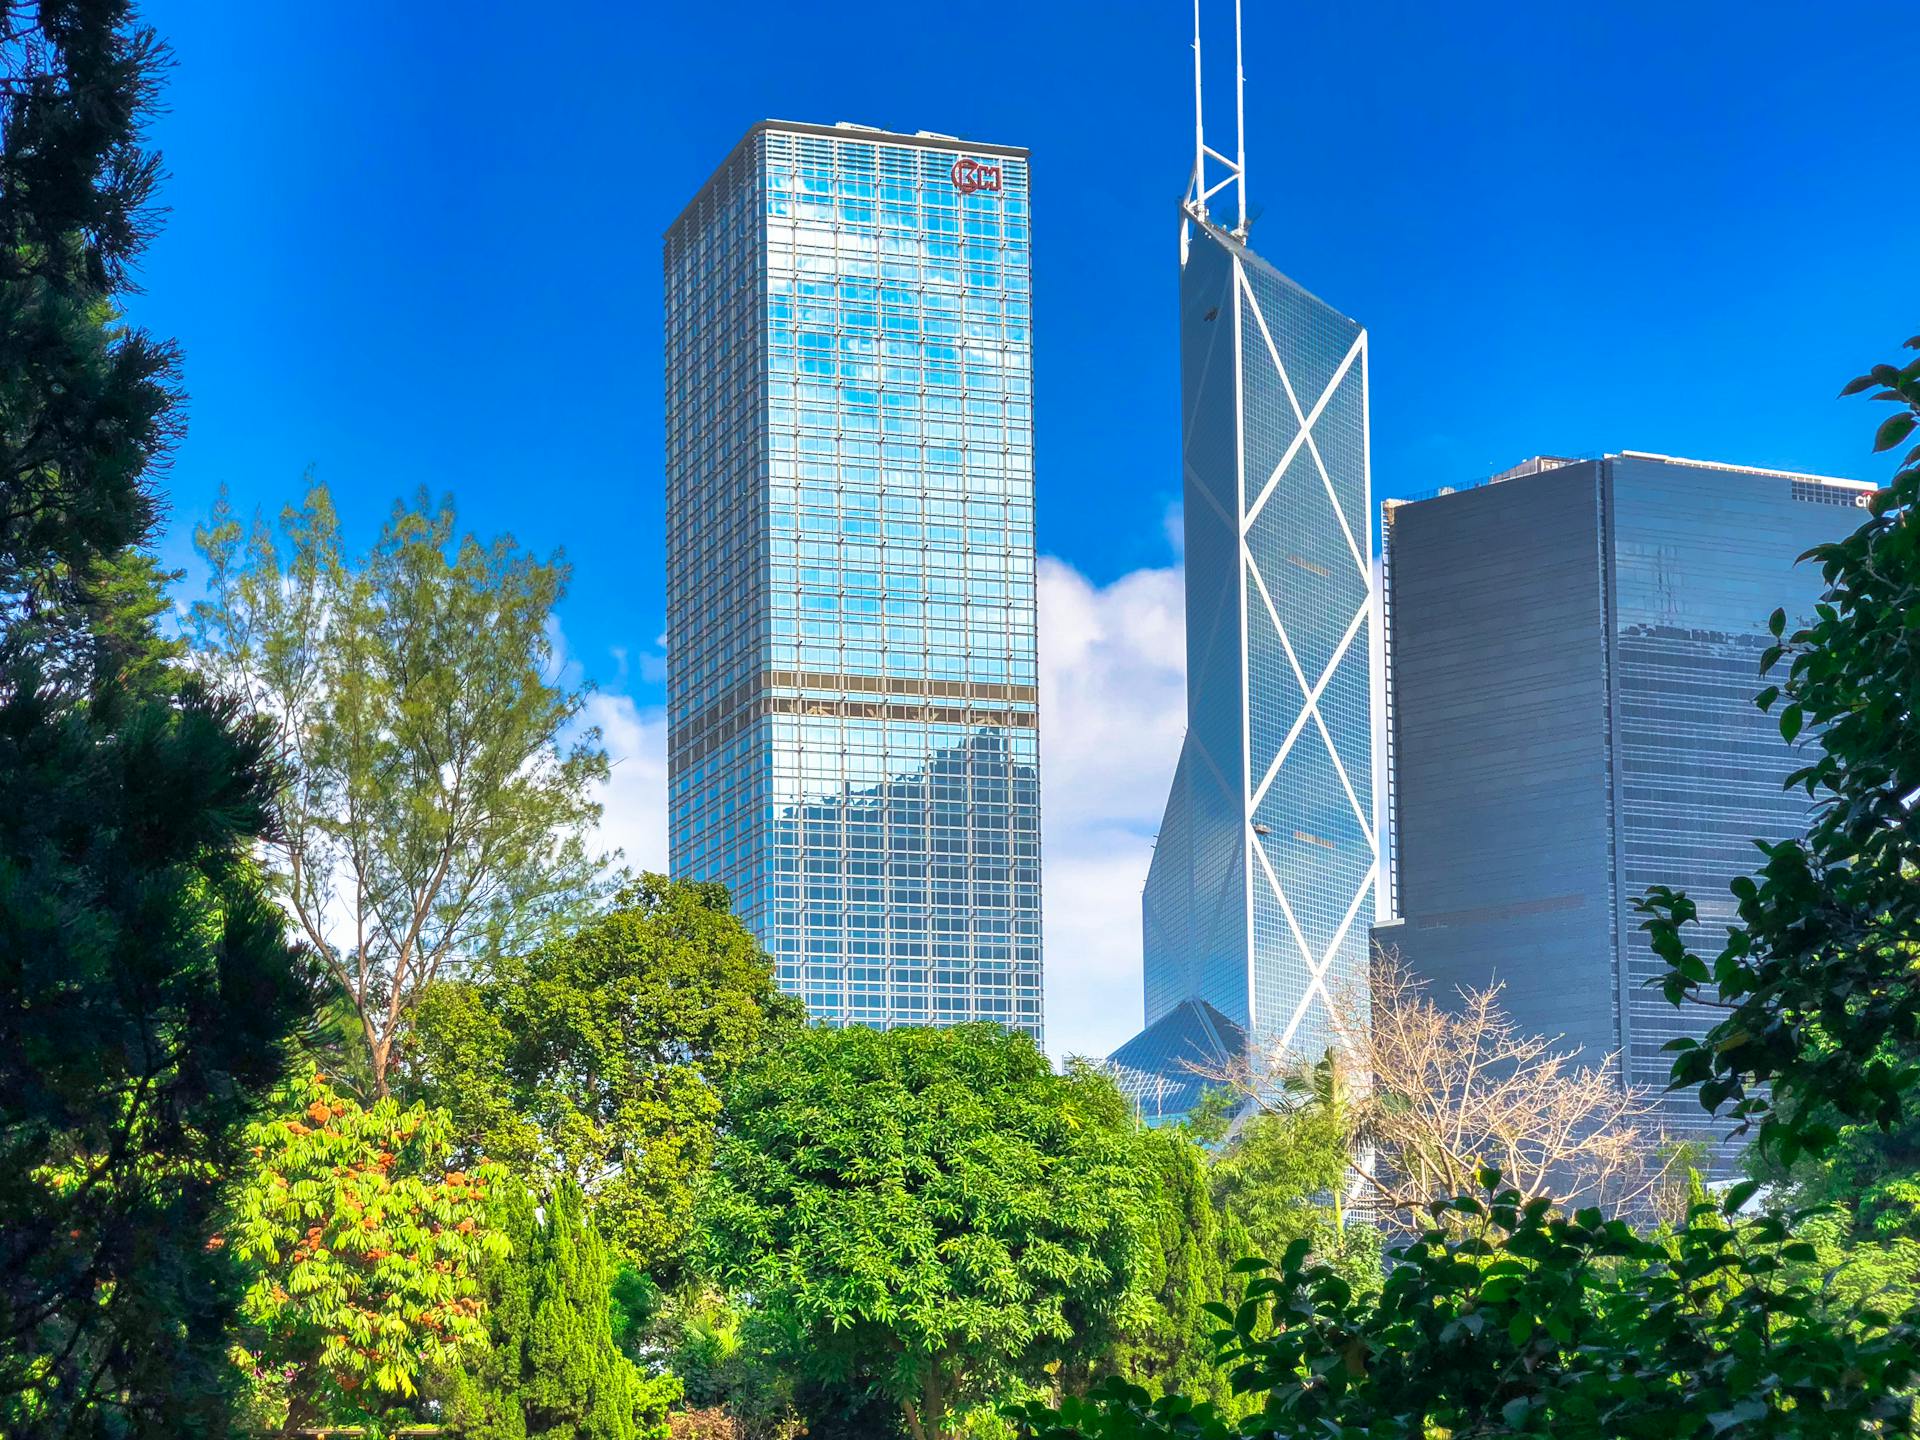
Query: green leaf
(1745, 1410)
(1892, 431)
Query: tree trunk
(381, 1053)
(927, 1414)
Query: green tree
(552, 1371)
(90, 402)
(1511, 1319)
(435, 812)
(1873, 1173)
(1284, 1175)
(1821, 977)
(481, 1393)
(935, 1213)
(364, 1250)
(1170, 1348)
(598, 1056)
(150, 992)
(148, 985)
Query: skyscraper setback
(851, 674)
(1263, 883)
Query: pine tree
(483, 1399)
(148, 984)
(554, 1372)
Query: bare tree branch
(1441, 1092)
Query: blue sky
(420, 245)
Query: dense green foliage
(1285, 1173)
(436, 802)
(1513, 1320)
(148, 989)
(1188, 1249)
(599, 1055)
(364, 1250)
(88, 401)
(935, 1213)
(551, 1370)
(1822, 974)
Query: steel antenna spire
(1232, 170)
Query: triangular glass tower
(1264, 879)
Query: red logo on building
(972, 176)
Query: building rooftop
(1542, 464)
(845, 130)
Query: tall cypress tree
(145, 983)
(554, 1372)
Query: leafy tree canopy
(1285, 1173)
(1512, 1320)
(598, 1056)
(90, 402)
(1170, 1347)
(437, 799)
(364, 1247)
(551, 1370)
(148, 986)
(935, 1212)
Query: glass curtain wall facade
(1263, 884)
(851, 673)
(1573, 656)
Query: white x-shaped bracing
(1318, 965)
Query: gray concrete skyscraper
(1572, 657)
(1264, 877)
(851, 679)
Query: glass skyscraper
(1264, 877)
(851, 675)
(1573, 654)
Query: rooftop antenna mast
(1232, 170)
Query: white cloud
(1112, 712)
(634, 797)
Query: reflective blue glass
(1263, 883)
(852, 682)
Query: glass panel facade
(852, 682)
(1701, 557)
(1264, 877)
(1573, 659)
